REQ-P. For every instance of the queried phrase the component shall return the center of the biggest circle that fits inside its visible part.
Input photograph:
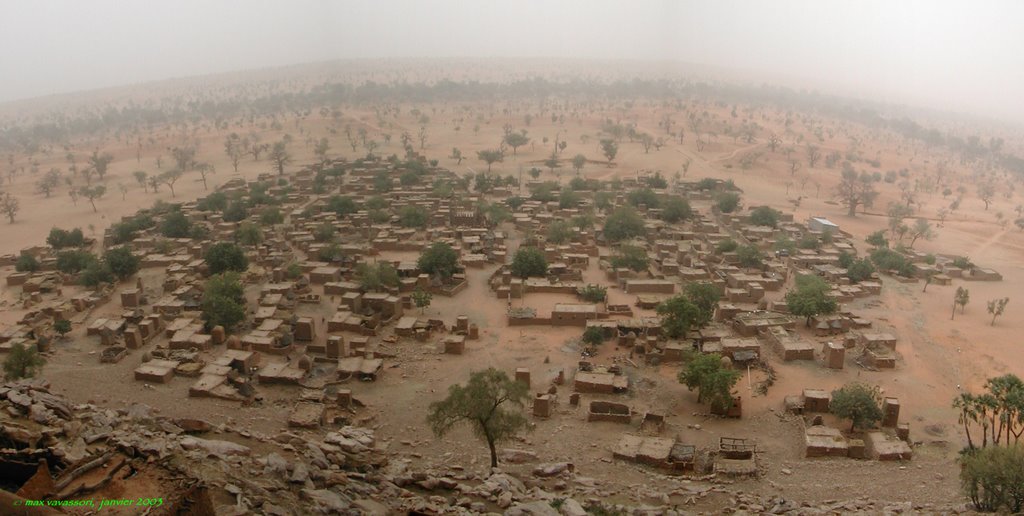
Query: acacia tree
(516, 140)
(678, 315)
(184, 157)
(204, 170)
(610, 149)
(234, 149)
(810, 297)
(169, 178)
(578, 161)
(490, 402)
(321, 149)
(713, 380)
(456, 155)
(490, 156)
(921, 229)
(813, 155)
(92, 193)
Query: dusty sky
(961, 56)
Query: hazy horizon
(953, 56)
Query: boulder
(538, 508)
(214, 447)
(553, 469)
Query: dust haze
(959, 56)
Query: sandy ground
(938, 356)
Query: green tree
(609, 148)
(490, 156)
(421, 298)
(223, 301)
(678, 316)
(860, 270)
(643, 197)
(765, 216)
(237, 211)
(175, 225)
(271, 216)
(376, 276)
(225, 256)
(490, 402)
(92, 193)
(624, 223)
(750, 256)
(877, 239)
(439, 259)
(578, 162)
(593, 336)
(993, 478)
(675, 209)
(62, 327)
(248, 233)
(122, 262)
(342, 205)
(858, 402)
(22, 362)
(26, 263)
(74, 261)
(529, 261)
(713, 381)
(855, 189)
(413, 216)
(630, 257)
(727, 202)
(559, 232)
(60, 238)
(726, 246)
(568, 199)
(705, 296)
(516, 140)
(95, 273)
(996, 307)
(810, 297)
(593, 293)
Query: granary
(609, 411)
(741, 350)
(822, 224)
(659, 452)
(649, 286)
(789, 345)
(878, 340)
(885, 446)
(575, 314)
(824, 441)
(600, 382)
(750, 324)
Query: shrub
(529, 261)
(121, 262)
(26, 263)
(22, 362)
(727, 202)
(71, 262)
(225, 256)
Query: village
(317, 291)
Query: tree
(321, 149)
(765, 216)
(421, 298)
(9, 205)
(140, 177)
(813, 155)
(713, 380)
(750, 256)
(22, 362)
(92, 193)
(921, 229)
(439, 259)
(993, 478)
(552, 162)
(516, 140)
(342, 205)
(122, 262)
(225, 256)
(996, 307)
(593, 336)
(204, 169)
(877, 239)
(99, 163)
(26, 263)
(727, 202)
(413, 216)
(630, 257)
(810, 297)
(184, 157)
(534, 172)
(986, 192)
(705, 296)
(961, 298)
(60, 238)
(490, 156)
(559, 232)
(456, 155)
(271, 216)
(175, 225)
(678, 315)
(609, 148)
(578, 162)
(95, 273)
(49, 182)
(485, 404)
(860, 270)
(373, 277)
(529, 261)
(62, 327)
(249, 234)
(624, 223)
(643, 197)
(170, 177)
(855, 190)
(223, 302)
(74, 261)
(234, 149)
(858, 402)
(280, 157)
(593, 293)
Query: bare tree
(813, 154)
(233, 149)
(205, 169)
(773, 141)
(100, 162)
(855, 190)
(280, 156)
